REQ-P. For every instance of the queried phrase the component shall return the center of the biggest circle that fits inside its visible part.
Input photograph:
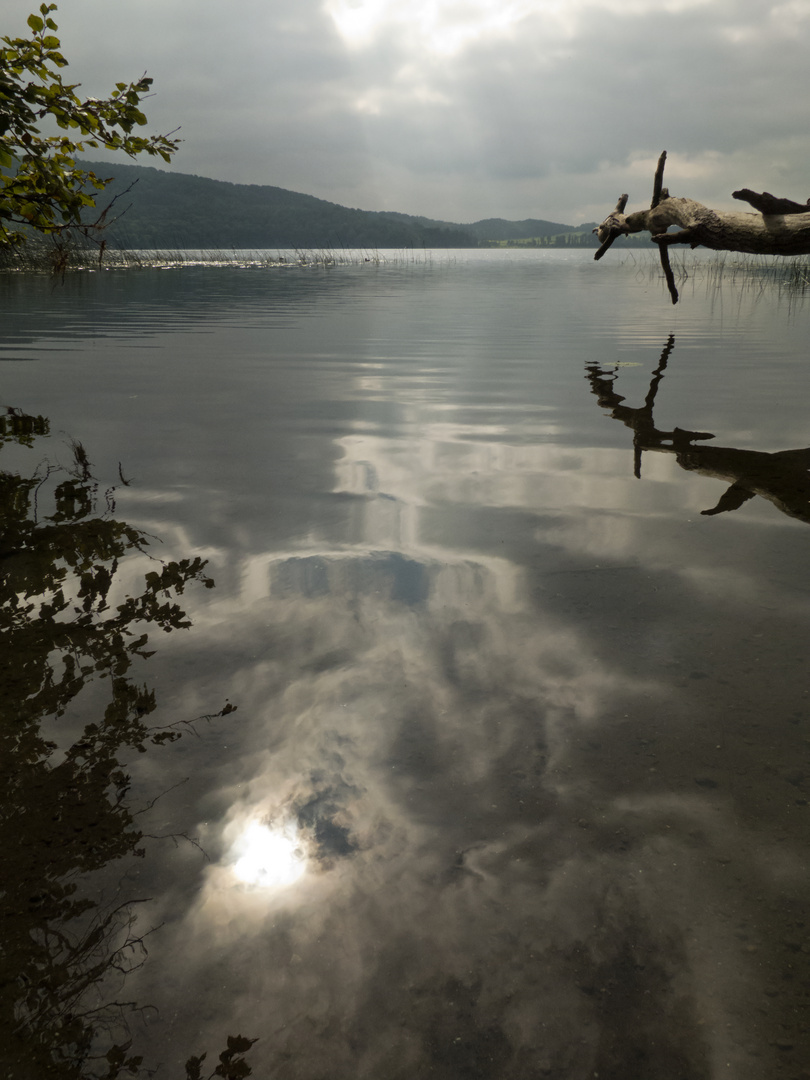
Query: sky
(464, 109)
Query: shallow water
(486, 750)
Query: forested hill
(497, 230)
(177, 210)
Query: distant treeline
(581, 237)
(159, 209)
(154, 208)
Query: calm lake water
(405, 666)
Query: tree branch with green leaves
(42, 190)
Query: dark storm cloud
(550, 112)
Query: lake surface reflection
(479, 746)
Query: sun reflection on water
(269, 855)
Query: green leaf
(46, 190)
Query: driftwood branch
(781, 227)
(769, 204)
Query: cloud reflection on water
(510, 870)
(535, 729)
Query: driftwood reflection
(72, 713)
(782, 477)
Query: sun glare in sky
(447, 27)
(442, 26)
(269, 856)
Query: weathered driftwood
(782, 227)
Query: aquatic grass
(717, 271)
(323, 258)
(714, 270)
(42, 256)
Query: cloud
(526, 108)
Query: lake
(406, 667)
